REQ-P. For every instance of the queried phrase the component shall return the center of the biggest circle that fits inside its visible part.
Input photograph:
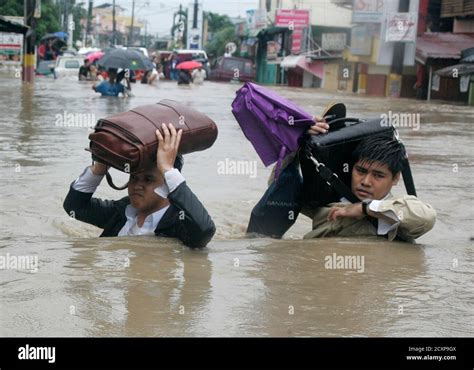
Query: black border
(331, 353)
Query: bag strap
(408, 178)
(111, 183)
(333, 180)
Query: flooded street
(146, 286)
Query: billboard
(401, 27)
(296, 20)
(256, 19)
(11, 44)
(367, 11)
(385, 52)
(334, 41)
(361, 40)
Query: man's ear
(396, 179)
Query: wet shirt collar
(149, 225)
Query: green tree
(78, 13)
(217, 22)
(216, 47)
(50, 16)
(49, 21)
(221, 31)
(11, 8)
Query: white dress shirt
(383, 226)
(87, 182)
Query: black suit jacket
(185, 219)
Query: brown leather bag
(127, 141)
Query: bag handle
(333, 124)
(111, 183)
(408, 178)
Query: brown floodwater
(146, 286)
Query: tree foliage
(217, 22)
(50, 16)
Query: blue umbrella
(61, 35)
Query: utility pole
(89, 21)
(396, 69)
(130, 37)
(66, 16)
(146, 24)
(114, 41)
(28, 70)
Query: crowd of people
(113, 82)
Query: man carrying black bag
(378, 161)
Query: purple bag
(270, 122)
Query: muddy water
(144, 286)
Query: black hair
(381, 148)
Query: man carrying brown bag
(159, 202)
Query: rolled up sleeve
(410, 217)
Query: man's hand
(167, 147)
(350, 210)
(99, 168)
(320, 126)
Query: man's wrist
(164, 169)
(365, 207)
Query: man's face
(141, 188)
(372, 180)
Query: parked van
(232, 68)
(68, 66)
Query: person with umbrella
(185, 69)
(110, 87)
(85, 70)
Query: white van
(67, 65)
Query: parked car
(232, 68)
(45, 68)
(68, 66)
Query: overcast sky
(159, 13)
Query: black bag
(281, 204)
(334, 150)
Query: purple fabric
(270, 122)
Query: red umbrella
(191, 64)
(92, 57)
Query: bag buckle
(316, 163)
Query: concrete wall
(323, 12)
(463, 26)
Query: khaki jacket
(411, 218)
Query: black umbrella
(126, 59)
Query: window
(248, 68)
(71, 64)
(232, 64)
